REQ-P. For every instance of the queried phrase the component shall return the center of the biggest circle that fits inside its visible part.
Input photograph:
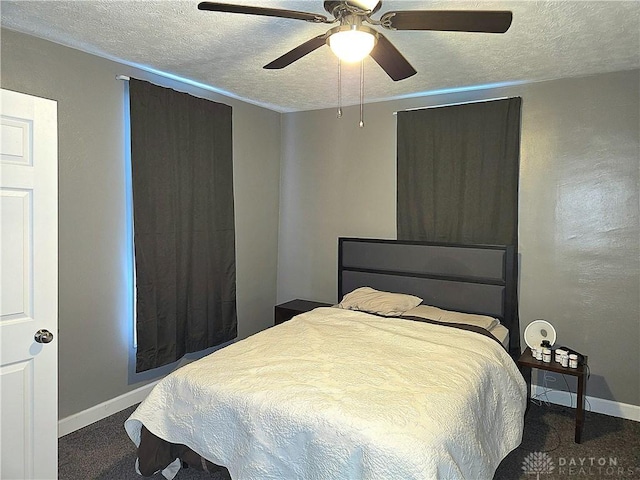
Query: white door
(29, 288)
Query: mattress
(490, 324)
(502, 334)
(336, 394)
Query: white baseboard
(593, 404)
(103, 410)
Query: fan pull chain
(361, 93)
(339, 88)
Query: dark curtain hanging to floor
(458, 170)
(182, 176)
(458, 173)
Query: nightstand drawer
(286, 311)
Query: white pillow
(388, 304)
(448, 316)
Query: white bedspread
(336, 394)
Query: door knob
(43, 336)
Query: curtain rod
(451, 104)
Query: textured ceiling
(547, 40)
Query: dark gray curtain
(458, 173)
(458, 176)
(182, 176)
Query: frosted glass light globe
(351, 45)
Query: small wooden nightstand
(286, 311)
(526, 362)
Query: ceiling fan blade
(267, 12)
(391, 60)
(297, 53)
(449, 20)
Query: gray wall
(95, 322)
(579, 210)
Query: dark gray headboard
(465, 278)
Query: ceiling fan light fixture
(352, 43)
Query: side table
(286, 311)
(527, 361)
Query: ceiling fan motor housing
(352, 5)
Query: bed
(367, 389)
(480, 279)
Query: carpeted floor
(610, 449)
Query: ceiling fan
(352, 40)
